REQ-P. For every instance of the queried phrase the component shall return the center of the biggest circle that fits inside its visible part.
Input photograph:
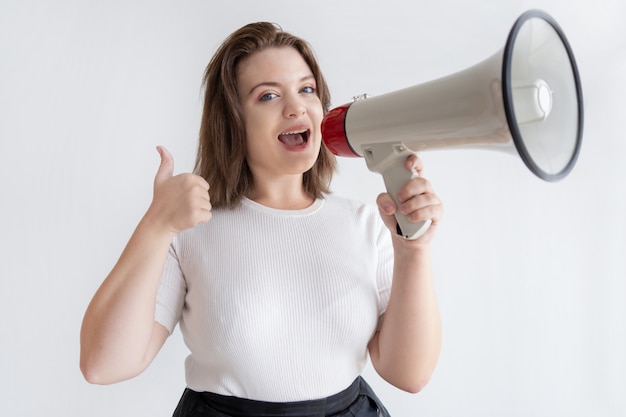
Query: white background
(530, 275)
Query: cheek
(258, 137)
(319, 113)
(257, 119)
(316, 112)
(254, 127)
(316, 119)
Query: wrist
(156, 226)
(414, 249)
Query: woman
(281, 289)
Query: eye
(308, 90)
(268, 96)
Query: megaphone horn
(525, 99)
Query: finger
(422, 207)
(203, 183)
(387, 208)
(166, 168)
(386, 204)
(413, 161)
(414, 187)
(192, 181)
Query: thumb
(387, 209)
(166, 168)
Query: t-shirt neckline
(313, 208)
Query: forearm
(118, 324)
(406, 349)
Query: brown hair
(221, 157)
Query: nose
(294, 108)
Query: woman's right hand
(119, 336)
(179, 202)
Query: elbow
(411, 382)
(90, 374)
(96, 376)
(93, 374)
(101, 374)
(413, 385)
(105, 367)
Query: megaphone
(525, 99)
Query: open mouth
(297, 138)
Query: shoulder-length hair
(221, 155)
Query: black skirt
(357, 400)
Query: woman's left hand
(418, 202)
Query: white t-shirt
(278, 305)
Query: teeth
(295, 132)
(294, 138)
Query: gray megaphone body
(526, 99)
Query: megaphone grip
(395, 176)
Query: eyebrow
(275, 84)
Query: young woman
(281, 289)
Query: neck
(284, 194)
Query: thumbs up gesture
(179, 202)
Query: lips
(295, 138)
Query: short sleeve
(171, 293)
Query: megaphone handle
(395, 176)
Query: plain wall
(530, 275)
